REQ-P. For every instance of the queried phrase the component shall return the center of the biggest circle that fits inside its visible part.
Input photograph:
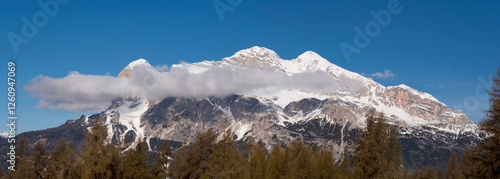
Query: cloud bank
(92, 93)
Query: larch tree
(490, 148)
(135, 162)
(322, 163)
(61, 160)
(377, 152)
(453, 168)
(162, 160)
(343, 168)
(226, 161)
(298, 157)
(96, 159)
(276, 165)
(258, 159)
(25, 167)
(192, 162)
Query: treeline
(376, 154)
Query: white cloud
(91, 93)
(386, 74)
(161, 68)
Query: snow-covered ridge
(129, 114)
(417, 93)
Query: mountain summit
(127, 71)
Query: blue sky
(445, 48)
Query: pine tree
(452, 168)
(226, 161)
(258, 159)
(25, 167)
(61, 161)
(135, 162)
(96, 159)
(276, 165)
(162, 160)
(490, 149)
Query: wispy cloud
(385, 74)
(91, 93)
(161, 68)
(434, 86)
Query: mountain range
(313, 100)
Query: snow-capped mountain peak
(254, 55)
(4, 134)
(140, 63)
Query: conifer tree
(135, 162)
(343, 169)
(429, 172)
(394, 154)
(226, 161)
(61, 161)
(276, 165)
(2, 174)
(192, 162)
(377, 152)
(96, 159)
(258, 159)
(298, 157)
(162, 160)
(248, 146)
(39, 159)
(471, 163)
(490, 148)
(322, 163)
(25, 167)
(367, 156)
(452, 168)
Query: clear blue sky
(437, 47)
